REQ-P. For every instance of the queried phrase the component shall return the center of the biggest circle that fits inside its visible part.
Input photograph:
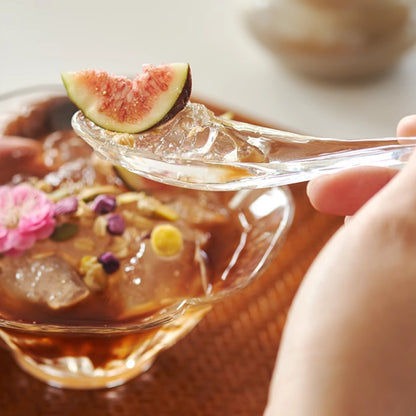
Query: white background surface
(40, 39)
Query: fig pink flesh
(127, 100)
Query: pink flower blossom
(26, 215)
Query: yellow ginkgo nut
(166, 240)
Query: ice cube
(49, 280)
(197, 134)
(151, 281)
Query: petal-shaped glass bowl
(89, 355)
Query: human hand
(18, 155)
(345, 192)
(349, 345)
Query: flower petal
(27, 215)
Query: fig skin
(180, 103)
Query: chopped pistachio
(96, 278)
(69, 258)
(138, 220)
(64, 231)
(120, 247)
(128, 197)
(166, 212)
(87, 194)
(43, 254)
(59, 194)
(84, 244)
(100, 226)
(166, 240)
(44, 186)
(94, 275)
(150, 206)
(84, 210)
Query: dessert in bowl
(102, 269)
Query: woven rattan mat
(222, 368)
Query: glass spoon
(199, 150)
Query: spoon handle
(283, 172)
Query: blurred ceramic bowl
(334, 39)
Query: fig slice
(124, 105)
